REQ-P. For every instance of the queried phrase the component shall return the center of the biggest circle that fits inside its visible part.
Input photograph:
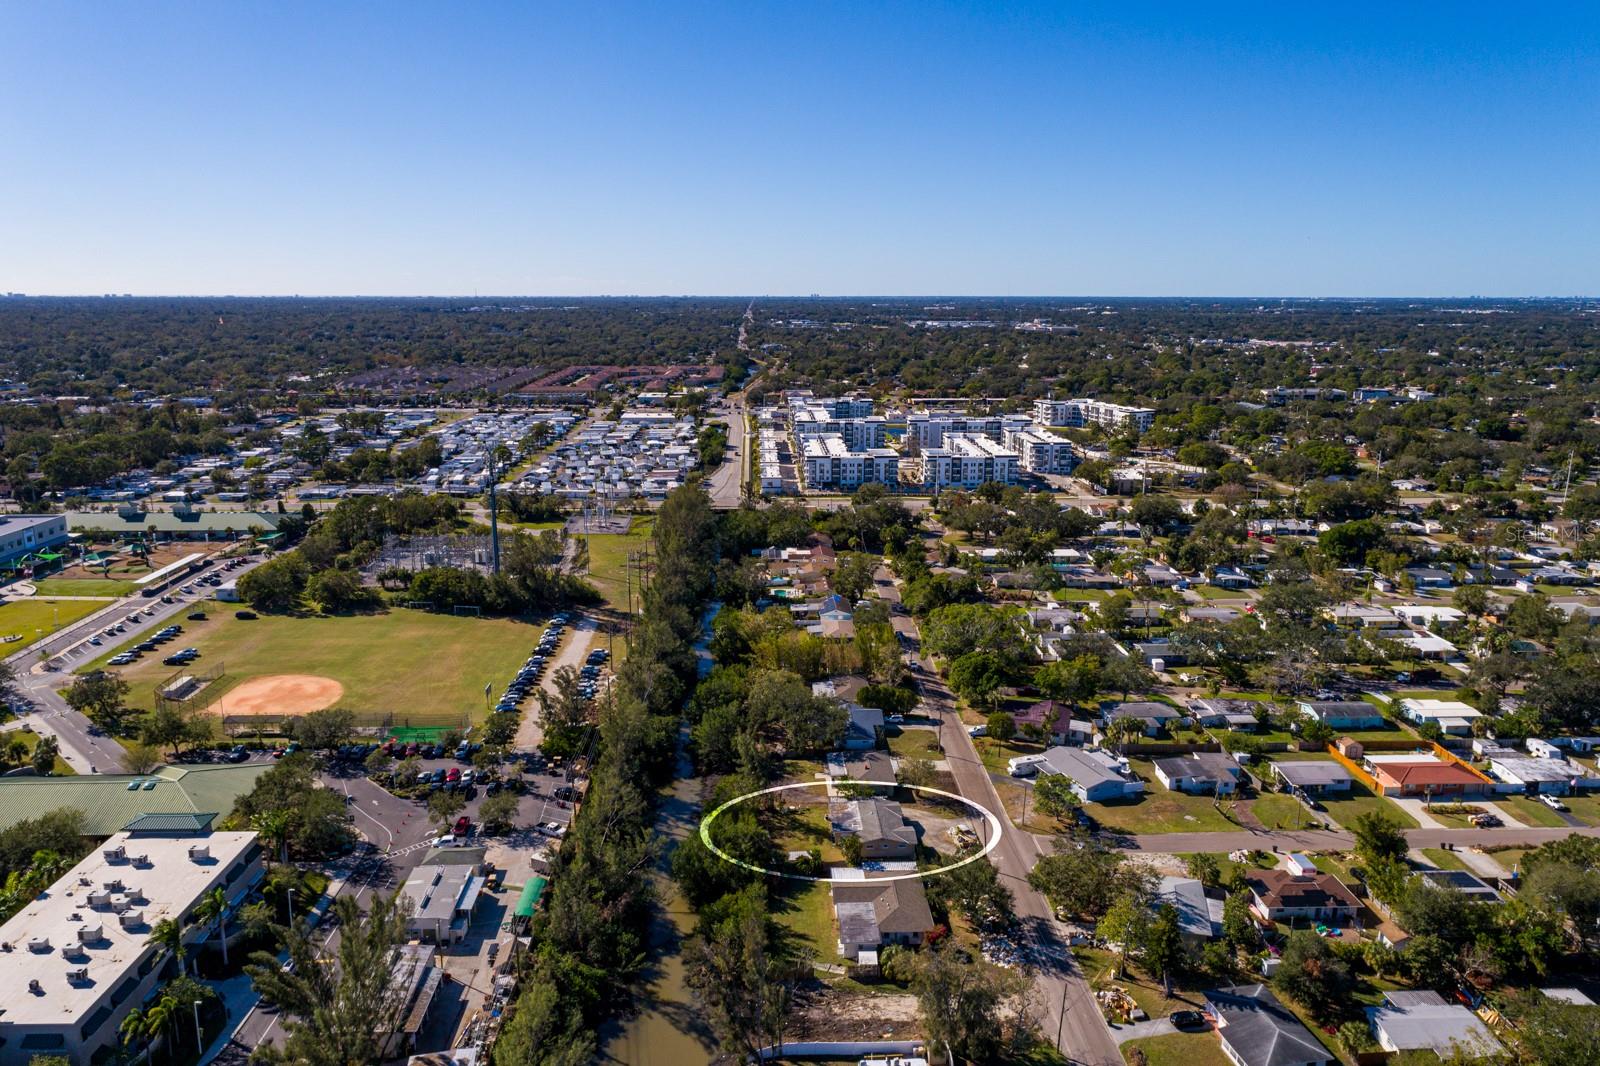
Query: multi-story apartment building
(1039, 452)
(860, 433)
(1075, 414)
(928, 428)
(853, 406)
(80, 956)
(828, 462)
(965, 460)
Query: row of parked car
(154, 641)
(589, 676)
(517, 690)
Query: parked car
(1187, 1019)
(1553, 803)
(463, 826)
(239, 753)
(554, 829)
(244, 615)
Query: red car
(412, 748)
(463, 826)
(454, 775)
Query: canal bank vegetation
(590, 943)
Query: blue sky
(748, 148)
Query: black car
(1187, 1019)
(244, 615)
(197, 616)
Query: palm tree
(255, 918)
(274, 828)
(213, 907)
(168, 935)
(158, 1015)
(136, 1027)
(1121, 732)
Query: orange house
(1429, 778)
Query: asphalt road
(1071, 1018)
(726, 483)
(46, 666)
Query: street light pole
(197, 1045)
(290, 902)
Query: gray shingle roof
(1260, 1030)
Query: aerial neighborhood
(949, 710)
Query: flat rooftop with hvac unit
(78, 958)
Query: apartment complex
(859, 432)
(828, 462)
(1075, 414)
(929, 428)
(79, 956)
(966, 460)
(1039, 452)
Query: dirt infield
(278, 694)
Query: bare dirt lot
(279, 694)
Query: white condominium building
(966, 460)
(1039, 452)
(928, 428)
(1075, 414)
(853, 406)
(859, 433)
(78, 958)
(829, 462)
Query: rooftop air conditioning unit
(114, 885)
(91, 934)
(102, 898)
(38, 943)
(116, 853)
(199, 853)
(72, 951)
(35, 987)
(79, 976)
(131, 919)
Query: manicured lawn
(608, 562)
(1532, 812)
(39, 616)
(806, 827)
(83, 586)
(1277, 811)
(1161, 810)
(429, 666)
(1445, 860)
(57, 769)
(1081, 595)
(994, 754)
(1586, 808)
(913, 742)
(1215, 592)
(1360, 801)
(1180, 1049)
(1510, 858)
(806, 909)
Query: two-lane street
(1071, 1018)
